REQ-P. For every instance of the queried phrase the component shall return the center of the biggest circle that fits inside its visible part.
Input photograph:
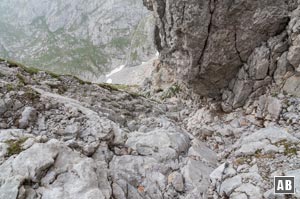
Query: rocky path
(63, 138)
(109, 143)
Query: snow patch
(109, 81)
(116, 70)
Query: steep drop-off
(83, 38)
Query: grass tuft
(171, 91)
(10, 87)
(31, 70)
(289, 148)
(31, 94)
(82, 82)
(15, 146)
(21, 79)
(117, 87)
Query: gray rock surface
(219, 48)
(206, 42)
(88, 140)
(28, 115)
(82, 140)
(230, 184)
(274, 60)
(295, 173)
(292, 86)
(111, 142)
(176, 180)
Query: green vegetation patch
(53, 75)
(31, 70)
(15, 146)
(15, 64)
(31, 94)
(21, 79)
(171, 91)
(241, 161)
(289, 148)
(260, 155)
(117, 87)
(1, 74)
(134, 56)
(80, 80)
(112, 87)
(136, 95)
(120, 42)
(10, 87)
(122, 87)
(60, 88)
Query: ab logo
(284, 184)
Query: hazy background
(86, 38)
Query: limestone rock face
(206, 42)
(275, 60)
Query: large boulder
(292, 86)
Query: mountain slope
(59, 131)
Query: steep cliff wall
(206, 42)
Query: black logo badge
(284, 185)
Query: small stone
(238, 196)
(17, 105)
(28, 143)
(72, 130)
(252, 191)
(141, 189)
(132, 125)
(274, 107)
(259, 63)
(42, 123)
(282, 67)
(90, 149)
(28, 115)
(230, 184)
(292, 86)
(3, 107)
(196, 175)
(293, 53)
(176, 180)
